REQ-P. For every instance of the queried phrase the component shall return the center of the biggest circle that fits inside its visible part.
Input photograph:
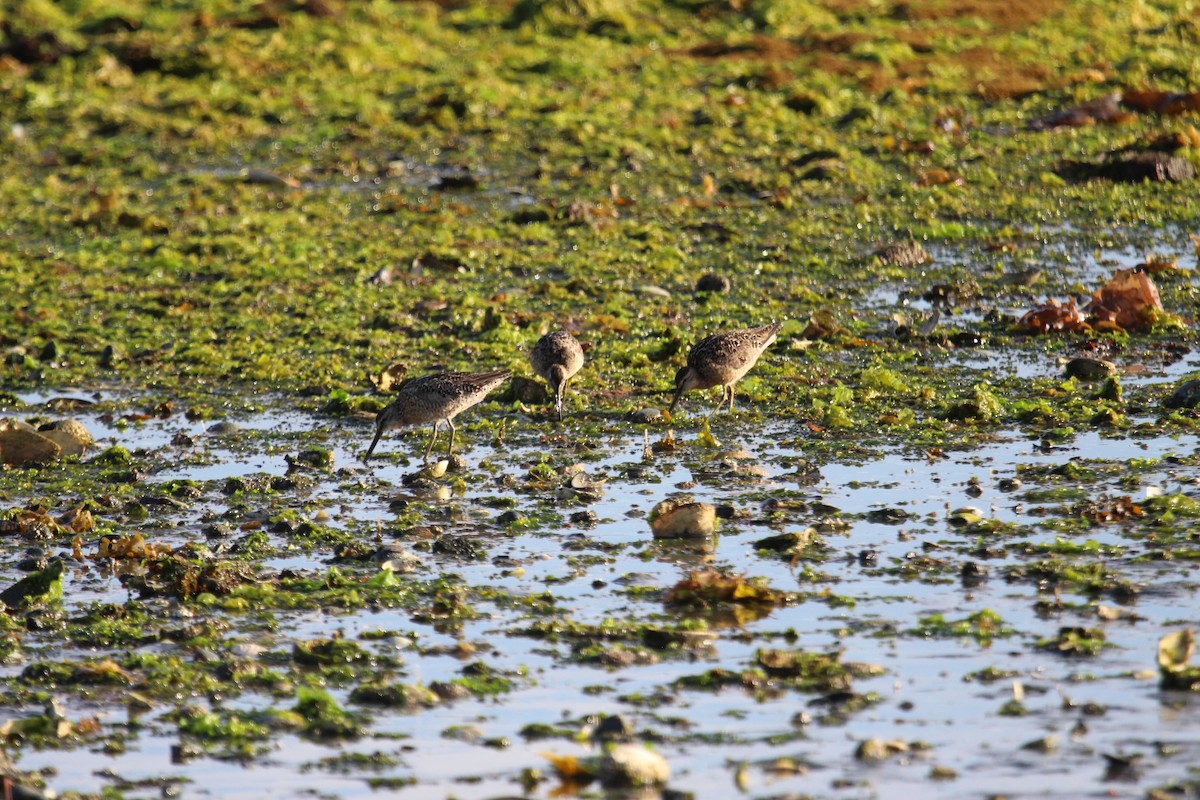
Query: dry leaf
(569, 767)
(1054, 316)
(1129, 300)
(391, 377)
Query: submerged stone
(22, 448)
(1186, 396)
(646, 415)
(613, 727)
(633, 765)
(34, 587)
(671, 519)
(1090, 369)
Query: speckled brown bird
(435, 398)
(556, 357)
(721, 360)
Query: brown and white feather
(722, 359)
(438, 397)
(556, 357)
(435, 398)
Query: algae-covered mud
(945, 545)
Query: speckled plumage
(435, 398)
(722, 359)
(556, 357)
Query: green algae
(324, 718)
(335, 267)
(982, 626)
(505, 176)
(1075, 641)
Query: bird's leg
(558, 398)
(719, 404)
(450, 448)
(433, 439)
(731, 398)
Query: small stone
(33, 563)
(671, 519)
(247, 649)
(613, 726)
(903, 254)
(218, 530)
(973, 573)
(1046, 744)
(1090, 369)
(396, 557)
(967, 515)
(968, 339)
(381, 277)
(34, 586)
(224, 428)
(633, 765)
(21, 448)
(878, 749)
(528, 391)
(311, 458)
(449, 691)
(1186, 396)
(183, 753)
(460, 546)
(70, 434)
(646, 415)
(786, 542)
(888, 516)
(713, 283)
(463, 733)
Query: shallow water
(924, 697)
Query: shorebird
(557, 356)
(721, 360)
(435, 398)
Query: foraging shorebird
(721, 360)
(557, 356)
(435, 398)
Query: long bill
(375, 441)
(678, 394)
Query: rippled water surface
(714, 741)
